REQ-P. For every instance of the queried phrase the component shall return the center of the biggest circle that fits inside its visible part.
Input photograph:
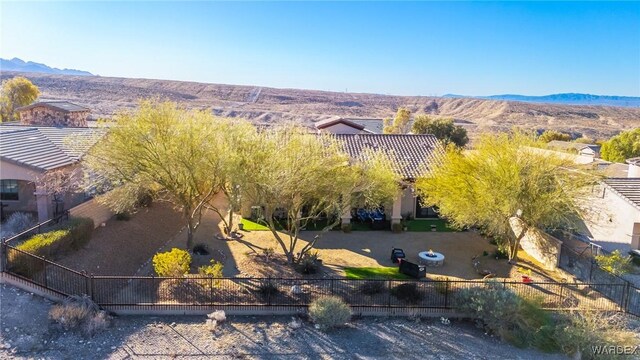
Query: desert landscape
(264, 105)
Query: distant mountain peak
(17, 64)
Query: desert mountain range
(106, 95)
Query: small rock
(113, 348)
(173, 324)
(295, 324)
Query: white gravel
(27, 334)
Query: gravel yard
(26, 333)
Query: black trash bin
(414, 270)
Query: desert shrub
(46, 244)
(615, 263)
(80, 230)
(214, 269)
(407, 292)
(329, 312)
(172, 263)
(79, 313)
(372, 287)
(16, 223)
(501, 253)
(521, 322)
(123, 216)
(577, 333)
(308, 264)
(268, 253)
(201, 249)
(267, 288)
(396, 228)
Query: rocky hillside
(106, 95)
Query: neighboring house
(410, 155)
(612, 219)
(589, 151)
(54, 113)
(338, 125)
(27, 153)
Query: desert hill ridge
(105, 95)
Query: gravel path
(26, 334)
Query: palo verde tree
(308, 176)
(550, 135)
(503, 178)
(163, 149)
(443, 129)
(399, 124)
(16, 92)
(621, 147)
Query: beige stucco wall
(94, 210)
(542, 247)
(408, 202)
(610, 219)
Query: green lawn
(250, 225)
(425, 225)
(253, 226)
(381, 272)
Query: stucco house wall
(612, 221)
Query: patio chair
(397, 255)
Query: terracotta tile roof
(410, 154)
(627, 188)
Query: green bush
(214, 269)
(72, 234)
(346, 228)
(442, 284)
(615, 263)
(577, 332)
(499, 311)
(407, 292)
(329, 312)
(174, 263)
(268, 288)
(396, 228)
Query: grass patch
(381, 272)
(253, 226)
(425, 225)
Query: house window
(8, 189)
(425, 212)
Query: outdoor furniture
(397, 255)
(414, 270)
(431, 258)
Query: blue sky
(427, 48)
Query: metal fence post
(446, 294)
(3, 255)
(560, 296)
(389, 293)
(45, 272)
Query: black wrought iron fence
(584, 266)
(196, 291)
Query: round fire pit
(431, 258)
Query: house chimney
(634, 167)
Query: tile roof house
(54, 113)
(612, 220)
(591, 150)
(28, 152)
(339, 125)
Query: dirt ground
(337, 250)
(121, 247)
(26, 333)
